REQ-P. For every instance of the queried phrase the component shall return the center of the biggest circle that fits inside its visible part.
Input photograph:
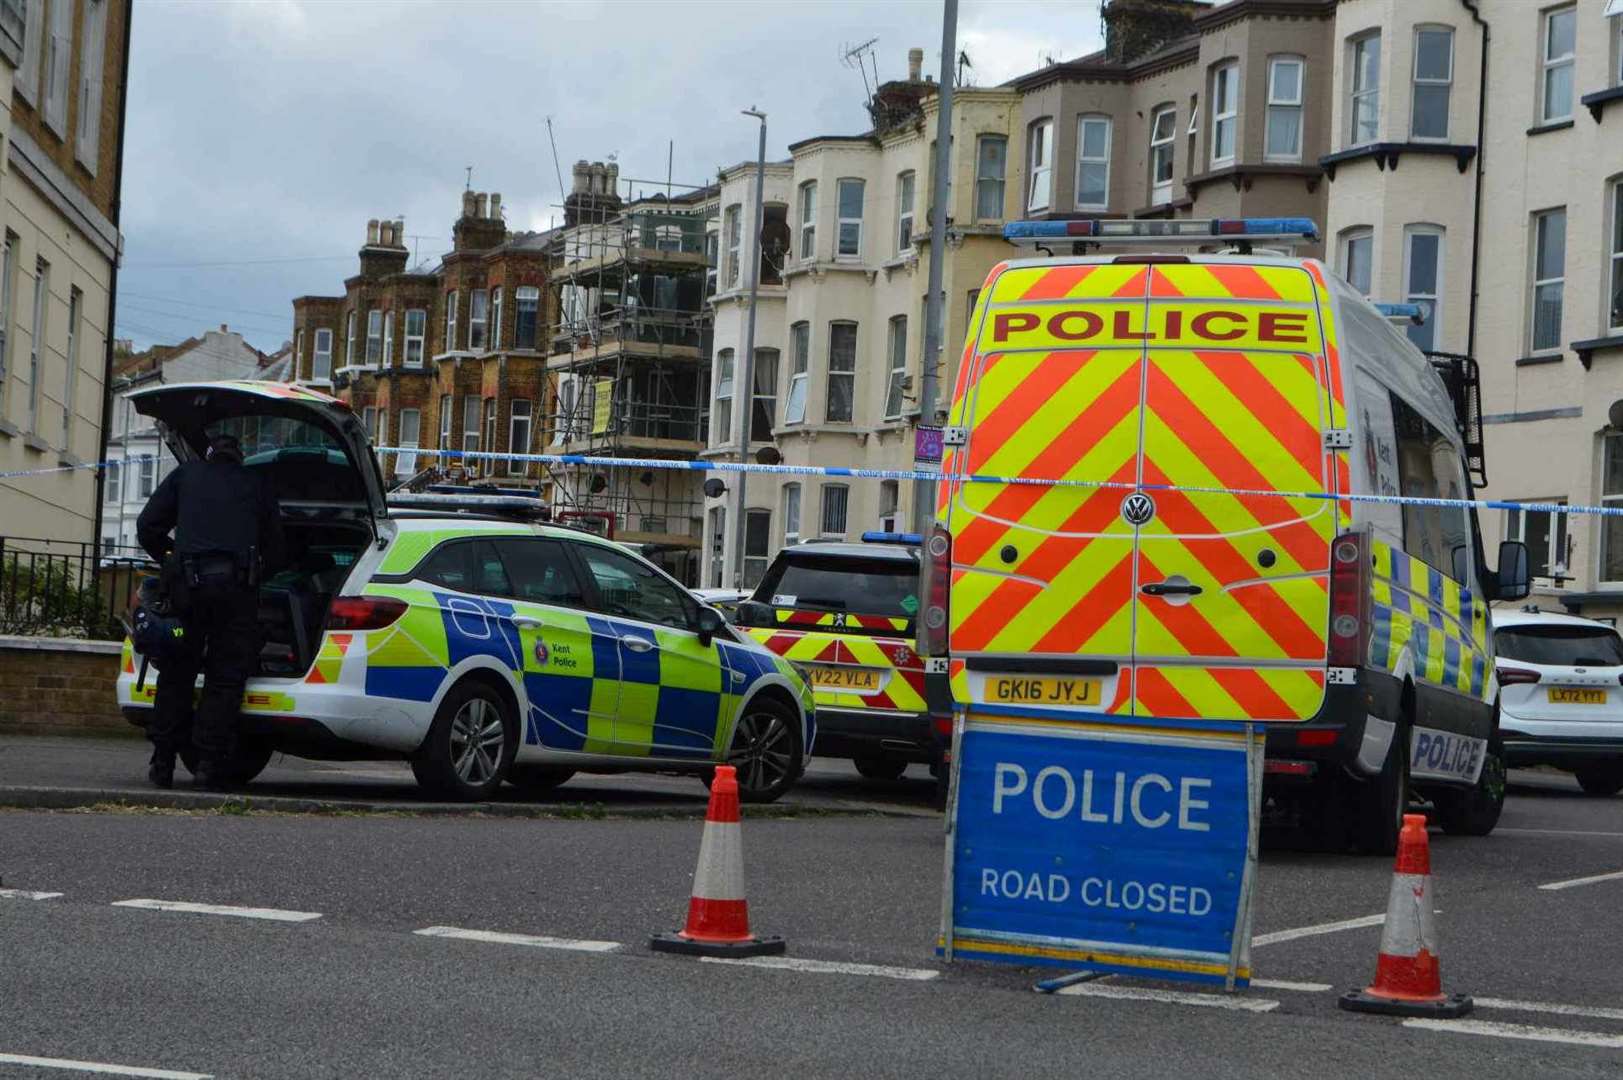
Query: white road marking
(825, 967)
(1557, 832)
(1170, 997)
(1595, 1011)
(99, 1067)
(1312, 931)
(534, 941)
(1519, 1031)
(271, 914)
(1299, 987)
(1616, 875)
(25, 894)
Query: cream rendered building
(840, 324)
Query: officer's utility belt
(214, 570)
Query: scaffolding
(630, 361)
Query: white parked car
(1561, 695)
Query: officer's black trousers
(222, 641)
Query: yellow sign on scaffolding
(602, 402)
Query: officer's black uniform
(226, 527)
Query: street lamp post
(924, 490)
(747, 389)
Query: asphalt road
(357, 991)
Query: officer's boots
(161, 771)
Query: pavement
(308, 956)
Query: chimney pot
(495, 204)
(223, 328)
(581, 174)
(479, 205)
(372, 231)
(467, 204)
(915, 64)
(386, 233)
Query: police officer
(226, 530)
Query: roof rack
(1164, 232)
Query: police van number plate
(1041, 690)
(1566, 695)
(845, 678)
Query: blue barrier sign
(1103, 849)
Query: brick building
(448, 357)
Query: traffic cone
(718, 915)
(1408, 972)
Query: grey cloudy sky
(262, 135)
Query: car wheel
(879, 768)
(1380, 802)
(469, 746)
(1475, 811)
(765, 751)
(538, 779)
(1605, 778)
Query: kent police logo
(1137, 509)
(541, 652)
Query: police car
(454, 633)
(1561, 695)
(845, 612)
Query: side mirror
(754, 613)
(709, 624)
(1513, 579)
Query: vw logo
(1138, 508)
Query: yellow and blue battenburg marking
(1421, 611)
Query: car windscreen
(888, 587)
(1583, 646)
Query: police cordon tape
(922, 474)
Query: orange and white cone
(718, 915)
(1408, 972)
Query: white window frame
(1614, 296)
(27, 76)
(718, 546)
(527, 294)
(841, 222)
(1431, 81)
(1551, 64)
(755, 562)
(147, 477)
(791, 514)
(1539, 232)
(896, 350)
(1432, 327)
(1349, 238)
(6, 307)
(1516, 529)
(406, 464)
(765, 394)
(1225, 111)
(58, 67)
(92, 62)
(890, 502)
(1040, 164)
(823, 516)
(563, 427)
(906, 191)
(478, 320)
(1615, 499)
(1358, 92)
(1614, 12)
(321, 358)
(998, 181)
(374, 336)
(1163, 149)
(1083, 160)
(450, 320)
(847, 374)
(794, 406)
(519, 419)
(447, 404)
(70, 378)
(298, 355)
(1281, 106)
(471, 406)
(732, 228)
(495, 340)
(416, 347)
(36, 343)
(112, 485)
(369, 423)
(490, 435)
(726, 390)
(808, 221)
(349, 338)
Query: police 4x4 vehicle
(846, 613)
(1226, 401)
(479, 646)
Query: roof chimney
(582, 175)
(467, 204)
(495, 204)
(372, 231)
(386, 233)
(479, 205)
(223, 329)
(611, 178)
(915, 64)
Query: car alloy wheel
(763, 751)
(476, 741)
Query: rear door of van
(1117, 594)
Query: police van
(1215, 417)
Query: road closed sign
(1101, 848)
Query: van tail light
(1349, 599)
(937, 587)
(1512, 676)
(363, 612)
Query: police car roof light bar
(1413, 314)
(892, 538)
(1173, 230)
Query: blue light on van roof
(1102, 229)
(1412, 312)
(892, 538)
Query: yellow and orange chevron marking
(330, 660)
(902, 691)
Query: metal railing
(58, 588)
